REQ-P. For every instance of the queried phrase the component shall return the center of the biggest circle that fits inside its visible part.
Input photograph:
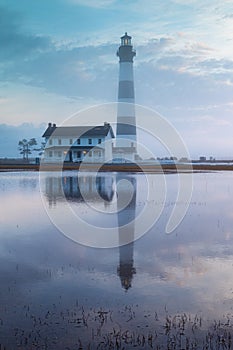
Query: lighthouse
(126, 122)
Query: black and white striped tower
(126, 121)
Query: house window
(78, 154)
(97, 153)
(57, 154)
(90, 153)
(99, 140)
(71, 141)
(59, 141)
(89, 141)
(50, 153)
(50, 141)
(78, 141)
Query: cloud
(217, 66)
(56, 67)
(228, 16)
(78, 72)
(93, 3)
(175, 81)
(14, 42)
(92, 71)
(165, 74)
(154, 48)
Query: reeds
(78, 328)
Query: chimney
(49, 125)
(54, 125)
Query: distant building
(74, 143)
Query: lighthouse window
(126, 41)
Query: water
(57, 294)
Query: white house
(76, 143)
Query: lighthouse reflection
(102, 188)
(126, 217)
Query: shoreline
(134, 168)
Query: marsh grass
(78, 328)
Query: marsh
(59, 293)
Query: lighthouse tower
(126, 123)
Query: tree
(26, 147)
(41, 148)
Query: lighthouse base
(124, 154)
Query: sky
(58, 57)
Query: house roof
(78, 131)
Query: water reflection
(54, 291)
(126, 268)
(91, 188)
(78, 188)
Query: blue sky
(59, 56)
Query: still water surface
(58, 294)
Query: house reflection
(126, 216)
(87, 187)
(79, 188)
